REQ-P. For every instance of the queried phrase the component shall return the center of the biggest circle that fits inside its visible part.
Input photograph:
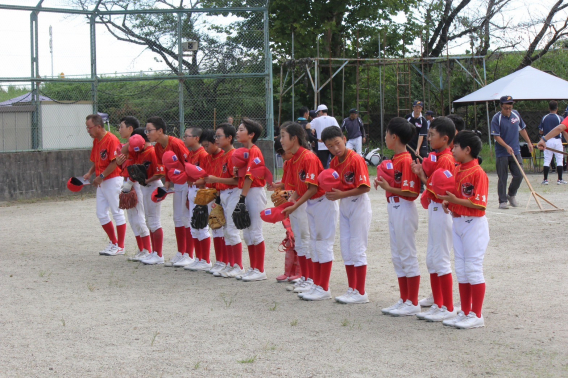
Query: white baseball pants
(107, 199)
(181, 213)
(152, 210)
(439, 240)
(403, 224)
(354, 223)
(471, 238)
(556, 144)
(355, 144)
(322, 219)
(229, 200)
(136, 216)
(256, 202)
(203, 233)
(301, 230)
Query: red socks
(316, 272)
(188, 242)
(403, 287)
(351, 278)
(465, 297)
(360, 278)
(197, 247)
(158, 236)
(180, 238)
(146, 243)
(139, 242)
(413, 288)
(219, 246)
(252, 255)
(446, 286)
(303, 266)
(259, 251)
(477, 296)
(238, 255)
(121, 231)
(205, 247)
(325, 274)
(109, 229)
(436, 289)
(310, 265)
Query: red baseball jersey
(148, 157)
(446, 161)
(214, 166)
(105, 152)
(227, 169)
(404, 178)
(565, 122)
(471, 184)
(286, 180)
(255, 159)
(129, 161)
(353, 171)
(305, 168)
(175, 145)
(198, 157)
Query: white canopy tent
(528, 84)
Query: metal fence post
(94, 83)
(180, 81)
(35, 74)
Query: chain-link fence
(218, 67)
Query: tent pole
(487, 107)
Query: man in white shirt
(319, 124)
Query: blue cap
(506, 100)
(418, 103)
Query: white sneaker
(217, 267)
(318, 294)
(452, 321)
(305, 286)
(200, 266)
(116, 251)
(441, 315)
(235, 272)
(153, 259)
(387, 310)
(139, 256)
(342, 298)
(256, 275)
(299, 282)
(175, 259)
(471, 321)
(184, 261)
(431, 311)
(246, 273)
(105, 251)
(357, 298)
(407, 309)
(427, 302)
(311, 289)
(195, 262)
(559, 182)
(226, 268)
(544, 182)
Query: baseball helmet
(442, 181)
(194, 172)
(386, 171)
(170, 160)
(429, 164)
(274, 214)
(373, 157)
(329, 179)
(74, 184)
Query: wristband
(102, 176)
(543, 138)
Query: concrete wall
(25, 175)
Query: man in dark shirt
(506, 126)
(355, 131)
(303, 119)
(420, 138)
(549, 122)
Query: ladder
(403, 90)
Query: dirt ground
(66, 311)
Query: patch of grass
(345, 323)
(154, 338)
(248, 360)
(273, 307)
(42, 273)
(91, 287)
(228, 301)
(63, 321)
(196, 366)
(294, 322)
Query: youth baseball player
(470, 229)
(106, 147)
(549, 122)
(403, 218)
(354, 212)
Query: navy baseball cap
(353, 111)
(506, 100)
(418, 103)
(313, 113)
(430, 113)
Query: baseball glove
(204, 196)
(240, 215)
(280, 196)
(217, 217)
(127, 198)
(200, 217)
(137, 172)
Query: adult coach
(419, 142)
(552, 133)
(355, 131)
(549, 122)
(108, 181)
(319, 124)
(506, 126)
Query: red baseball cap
(429, 164)
(74, 184)
(442, 181)
(386, 171)
(240, 158)
(424, 200)
(329, 179)
(136, 144)
(177, 176)
(194, 172)
(274, 214)
(159, 194)
(170, 160)
(260, 172)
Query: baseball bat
(415, 154)
(557, 151)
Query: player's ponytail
(295, 130)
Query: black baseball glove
(200, 217)
(137, 172)
(241, 216)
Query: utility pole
(51, 47)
